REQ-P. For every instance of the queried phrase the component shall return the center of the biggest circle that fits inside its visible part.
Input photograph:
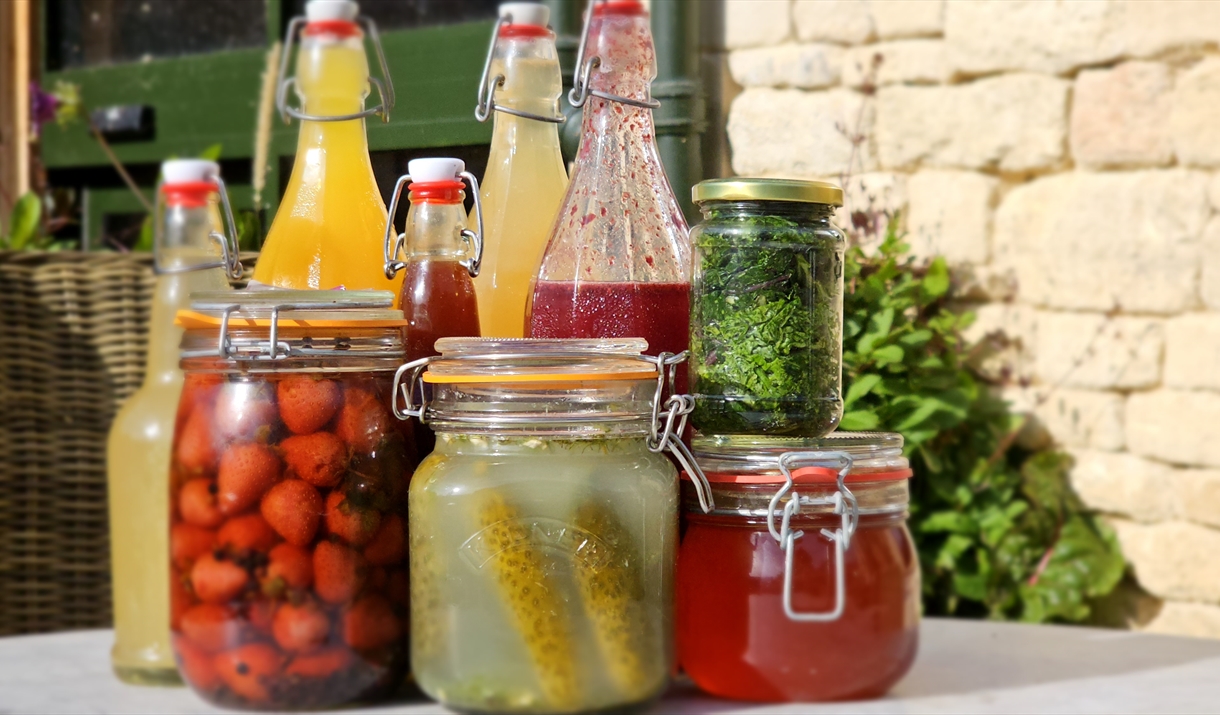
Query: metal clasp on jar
(844, 503)
(395, 244)
(665, 431)
(414, 373)
(226, 239)
(273, 348)
(584, 67)
(385, 89)
(487, 91)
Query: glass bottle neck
(434, 230)
(332, 79)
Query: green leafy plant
(25, 230)
(998, 529)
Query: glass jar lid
(746, 189)
(875, 456)
(508, 360)
(273, 325)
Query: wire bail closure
(666, 428)
(395, 246)
(580, 91)
(385, 89)
(487, 91)
(844, 503)
(226, 239)
(414, 372)
(274, 348)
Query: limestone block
(1173, 560)
(1175, 426)
(1196, 133)
(1093, 350)
(1010, 330)
(950, 215)
(1198, 495)
(1083, 418)
(1015, 122)
(790, 65)
(1124, 484)
(786, 132)
(1119, 116)
(1145, 29)
(1178, 618)
(1098, 241)
(1209, 278)
(903, 61)
(873, 197)
(755, 23)
(1036, 35)
(846, 22)
(1192, 351)
(908, 18)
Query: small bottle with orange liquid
(441, 259)
(327, 231)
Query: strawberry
(260, 615)
(300, 629)
(370, 623)
(180, 599)
(249, 669)
(245, 411)
(389, 544)
(211, 627)
(249, 532)
(319, 458)
(292, 564)
(196, 665)
(198, 390)
(322, 664)
(195, 449)
(363, 420)
(353, 525)
(293, 508)
(217, 580)
(308, 402)
(188, 542)
(197, 503)
(246, 472)
(338, 572)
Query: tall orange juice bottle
(327, 232)
(526, 178)
(188, 259)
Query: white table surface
(963, 667)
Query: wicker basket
(74, 327)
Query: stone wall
(1065, 158)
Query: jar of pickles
(767, 308)
(803, 583)
(288, 493)
(543, 527)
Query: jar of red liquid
(803, 583)
(288, 500)
(618, 260)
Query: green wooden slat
(209, 99)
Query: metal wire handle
(844, 504)
(385, 90)
(229, 259)
(487, 92)
(580, 92)
(668, 424)
(393, 244)
(407, 390)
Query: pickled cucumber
(607, 572)
(428, 638)
(539, 613)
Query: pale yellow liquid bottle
(138, 451)
(525, 179)
(328, 231)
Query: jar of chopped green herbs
(767, 308)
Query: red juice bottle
(442, 257)
(618, 260)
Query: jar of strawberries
(288, 488)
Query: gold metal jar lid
(746, 189)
